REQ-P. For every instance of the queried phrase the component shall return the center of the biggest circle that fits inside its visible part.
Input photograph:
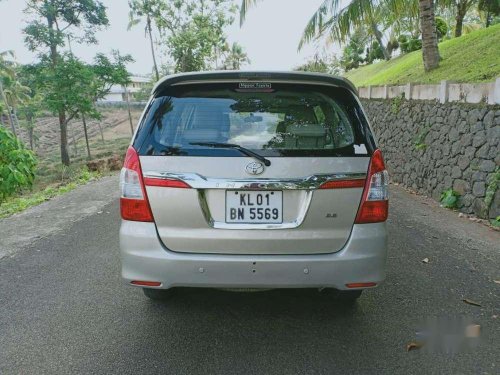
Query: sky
(270, 34)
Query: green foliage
(73, 86)
(235, 57)
(374, 52)
(196, 38)
(449, 198)
(441, 27)
(492, 186)
(321, 64)
(420, 139)
(352, 53)
(495, 222)
(470, 58)
(409, 44)
(396, 103)
(53, 20)
(17, 165)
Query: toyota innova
(253, 180)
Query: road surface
(64, 309)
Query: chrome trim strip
(312, 182)
(304, 207)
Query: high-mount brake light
(374, 207)
(134, 203)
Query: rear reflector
(360, 285)
(373, 212)
(145, 283)
(343, 184)
(135, 209)
(171, 183)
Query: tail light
(374, 206)
(134, 203)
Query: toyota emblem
(254, 168)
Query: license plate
(254, 207)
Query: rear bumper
(362, 259)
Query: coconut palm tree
(340, 22)
(148, 9)
(236, 57)
(430, 51)
(7, 72)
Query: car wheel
(158, 294)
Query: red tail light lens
(343, 184)
(170, 182)
(374, 206)
(134, 203)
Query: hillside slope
(474, 57)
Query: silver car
(253, 180)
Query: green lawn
(474, 57)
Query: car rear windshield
(273, 120)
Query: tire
(158, 294)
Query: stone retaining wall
(431, 147)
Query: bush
(441, 27)
(449, 198)
(17, 165)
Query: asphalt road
(63, 309)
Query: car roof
(249, 76)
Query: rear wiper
(243, 150)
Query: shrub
(449, 198)
(17, 165)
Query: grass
(53, 178)
(19, 203)
(471, 58)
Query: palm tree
(340, 22)
(16, 94)
(236, 57)
(430, 51)
(148, 9)
(7, 72)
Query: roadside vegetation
(471, 58)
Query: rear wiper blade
(242, 149)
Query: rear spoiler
(241, 76)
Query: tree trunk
(128, 109)
(63, 127)
(488, 18)
(461, 11)
(75, 143)
(430, 51)
(4, 98)
(100, 131)
(86, 136)
(378, 36)
(150, 32)
(30, 135)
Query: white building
(118, 93)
